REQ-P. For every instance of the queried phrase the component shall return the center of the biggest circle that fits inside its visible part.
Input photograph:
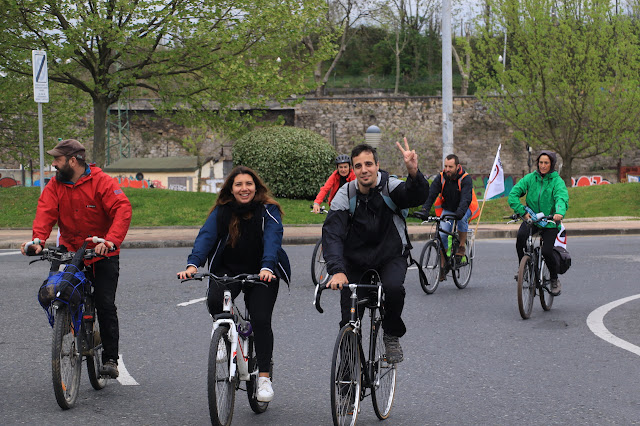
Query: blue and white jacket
(209, 245)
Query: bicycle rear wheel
(526, 287)
(221, 389)
(345, 378)
(546, 298)
(430, 264)
(383, 382)
(319, 273)
(94, 360)
(258, 407)
(66, 360)
(462, 271)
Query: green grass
(160, 207)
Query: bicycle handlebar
(516, 217)
(319, 289)
(55, 253)
(424, 218)
(225, 279)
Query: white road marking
(125, 378)
(595, 323)
(10, 252)
(192, 301)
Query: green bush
(293, 162)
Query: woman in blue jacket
(243, 234)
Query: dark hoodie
(552, 157)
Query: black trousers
(548, 241)
(104, 276)
(392, 275)
(259, 301)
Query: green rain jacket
(547, 194)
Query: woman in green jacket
(546, 193)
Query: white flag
(495, 185)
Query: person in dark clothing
(373, 236)
(243, 234)
(452, 191)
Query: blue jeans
(463, 226)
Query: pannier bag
(563, 259)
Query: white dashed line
(596, 324)
(191, 302)
(10, 252)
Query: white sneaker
(265, 391)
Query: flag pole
(473, 238)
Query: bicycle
(352, 373)
(76, 331)
(232, 356)
(319, 273)
(430, 258)
(533, 274)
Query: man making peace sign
(373, 236)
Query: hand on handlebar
(188, 273)
(31, 247)
(337, 281)
(316, 208)
(266, 275)
(104, 248)
(557, 218)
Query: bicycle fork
(239, 363)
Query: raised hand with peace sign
(410, 158)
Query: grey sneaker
(392, 348)
(555, 287)
(110, 368)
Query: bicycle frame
(237, 340)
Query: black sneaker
(110, 368)
(555, 287)
(392, 349)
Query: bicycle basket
(67, 286)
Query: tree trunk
(199, 165)
(99, 131)
(317, 76)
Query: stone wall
(344, 120)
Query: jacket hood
(552, 156)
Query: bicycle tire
(319, 273)
(462, 272)
(94, 360)
(346, 379)
(526, 287)
(221, 389)
(258, 407)
(383, 383)
(430, 264)
(66, 361)
(546, 298)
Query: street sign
(40, 76)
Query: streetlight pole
(447, 86)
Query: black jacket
(374, 233)
(455, 200)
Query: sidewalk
(293, 234)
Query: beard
(64, 174)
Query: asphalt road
(469, 357)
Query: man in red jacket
(84, 201)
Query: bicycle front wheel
(430, 264)
(462, 272)
(66, 361)
(94, 360)
(221, 388)
(546, 298)
(526, 287)
(383, 381)
(319, 273)
(345, 378)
